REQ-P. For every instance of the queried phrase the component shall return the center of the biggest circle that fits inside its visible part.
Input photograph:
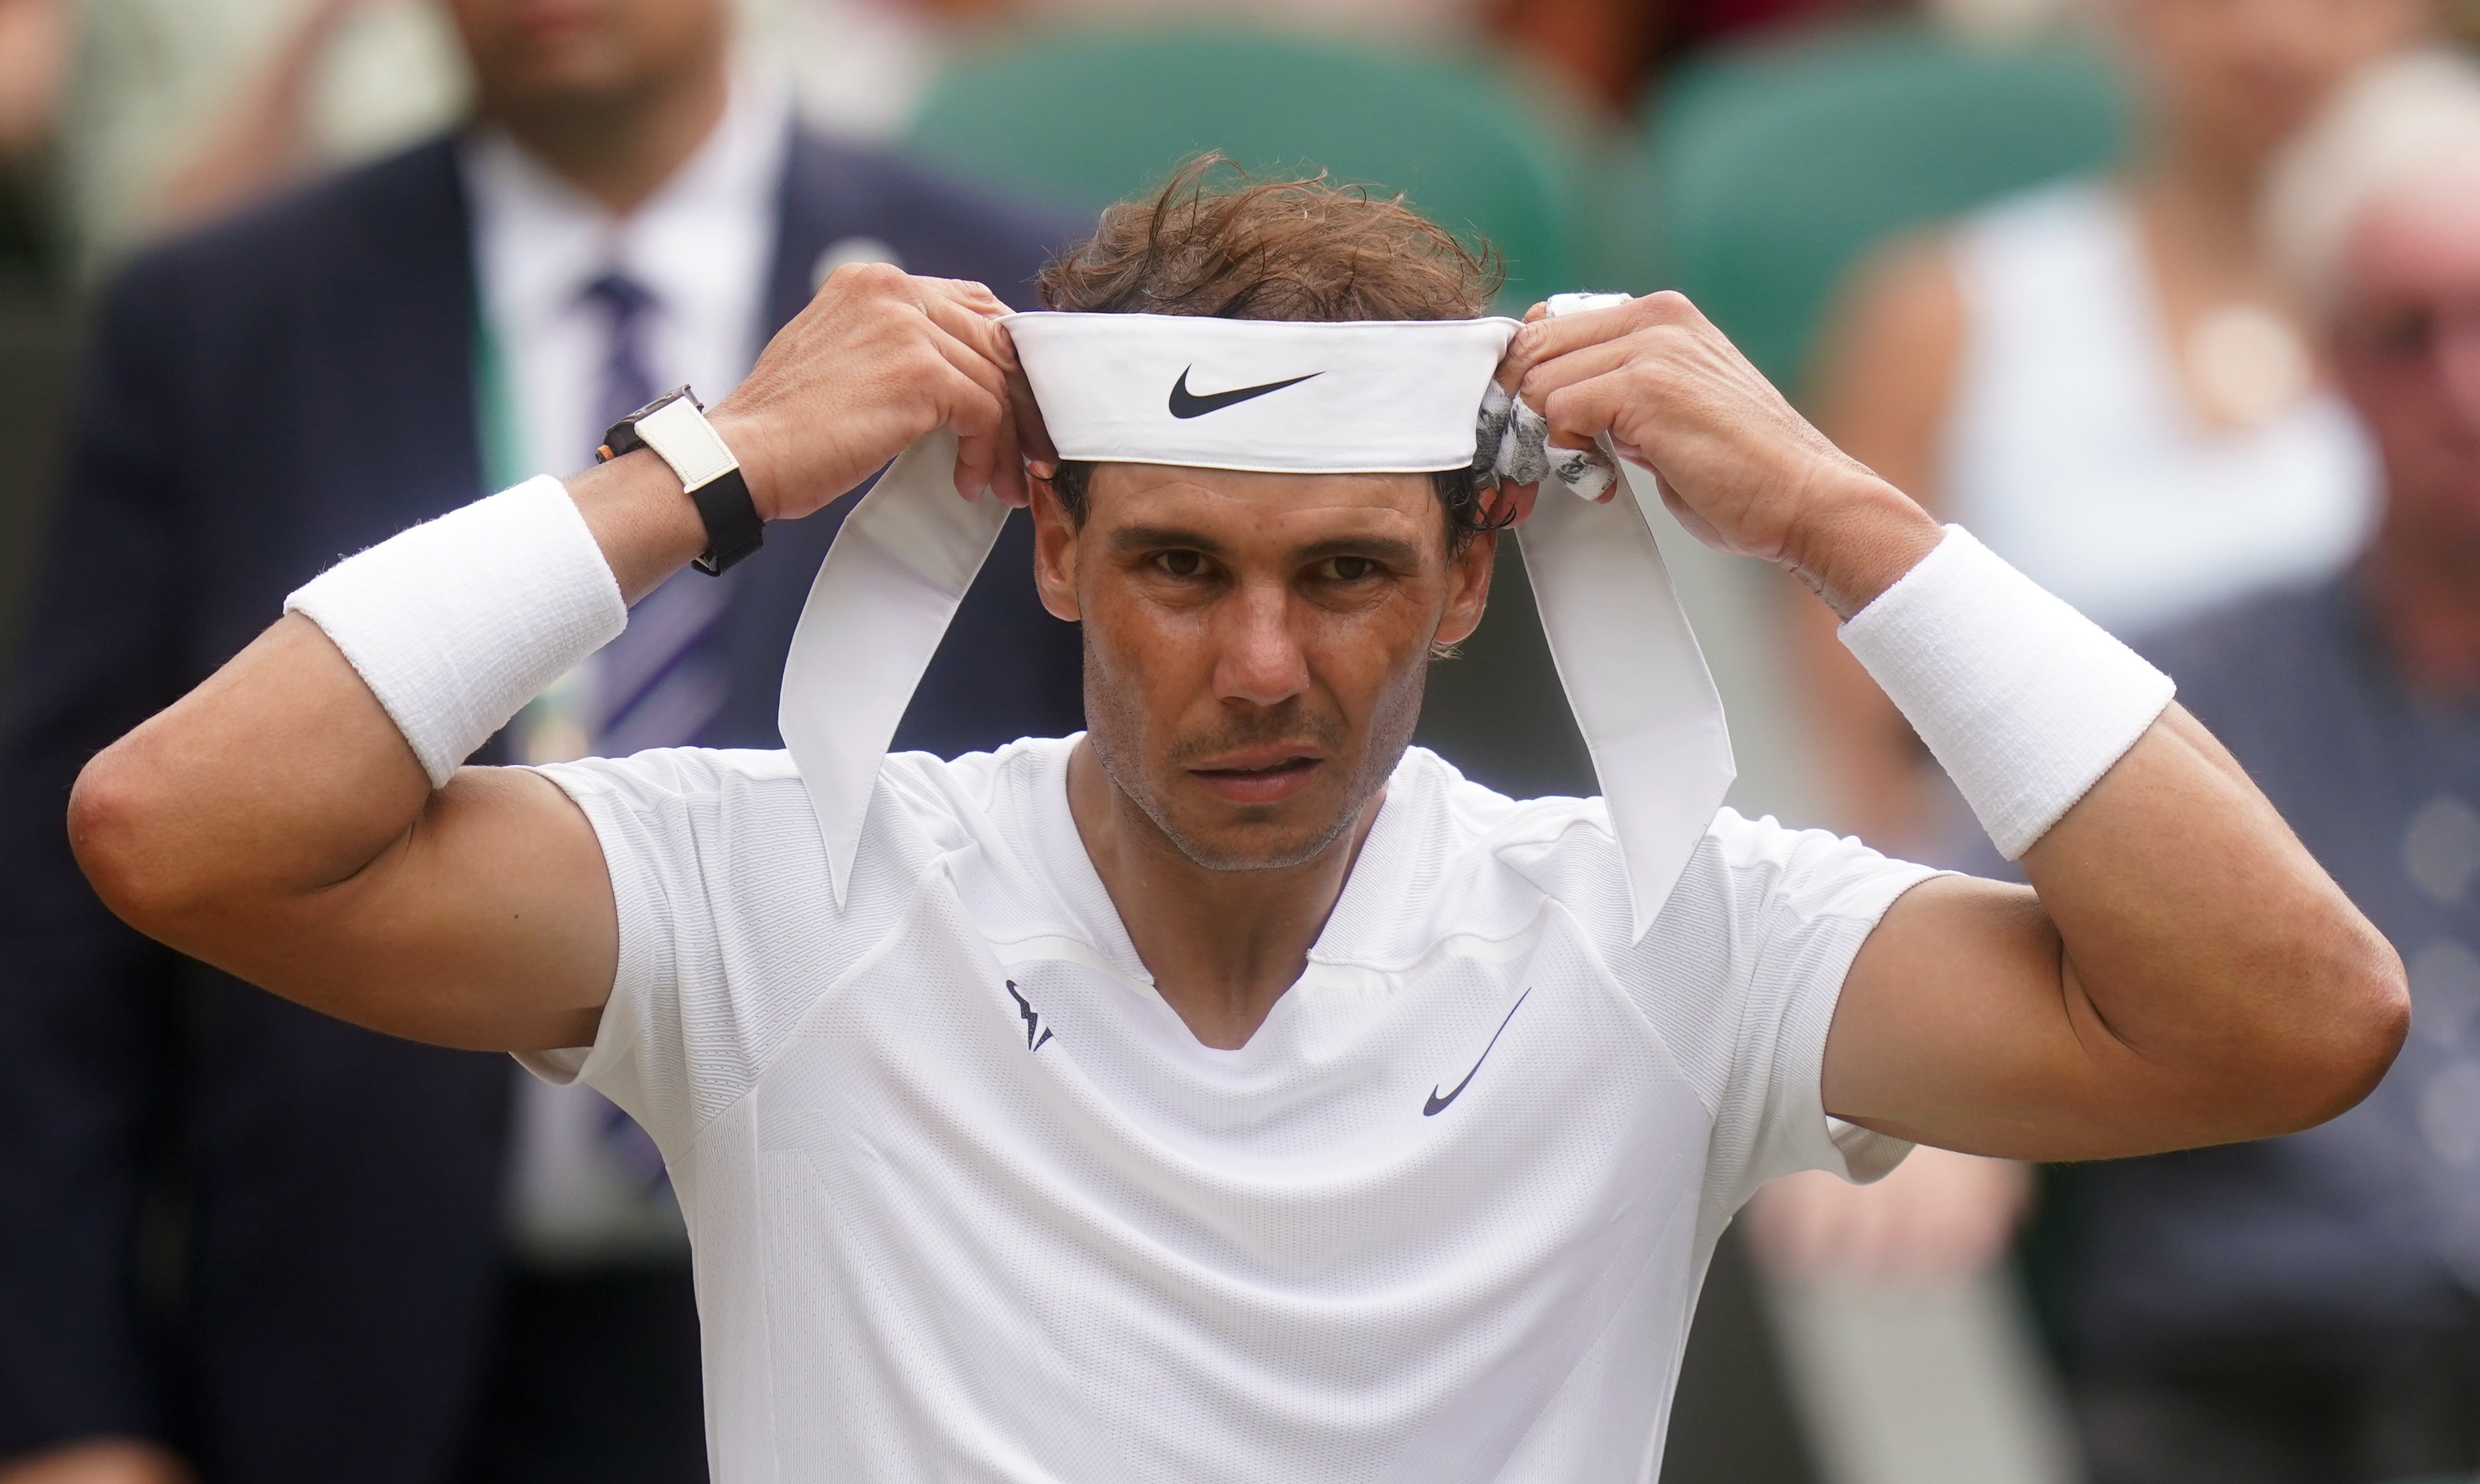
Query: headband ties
(1282, 397)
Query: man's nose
(1261, 662)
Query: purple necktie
(663, 680)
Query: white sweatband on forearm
(457, 623)
(2025, 701)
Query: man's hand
(1735, 464)
(877, 360)
(100, 1461)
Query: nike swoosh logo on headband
(1185, 403)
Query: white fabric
(703, 245)
(2025, 701)
(2074, 452)
(683, 438)
(876, 611)
(1392, 395)
(1400, 397)
(455, 624)
(939, 1235)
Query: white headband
(1274, 396)
(1390, 396)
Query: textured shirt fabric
(969, 1201)
(2365, 1230)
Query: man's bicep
(492, 926)
(1955, 1028)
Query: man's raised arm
(281, 821)
(2182, 972)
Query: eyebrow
(1155, 538)
(1151, 538)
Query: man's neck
(620, 148)
(1223, 946)
(2425, 597)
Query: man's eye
(1180, 564)
(1350, 569)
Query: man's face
(531, 53)
(1255, 645)
(2241, 75)
(2406, 344)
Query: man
(1232, 1092)
(2308, 1308)
(323, 1207)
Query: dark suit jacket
(225, 1221)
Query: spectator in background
(2106, 382)
(34, 48)
(2303, 1311)
(179, 110)
(247, 1241)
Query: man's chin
(1257, 844)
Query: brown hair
(1214, 242)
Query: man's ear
(1054, 553)
(1467, 588)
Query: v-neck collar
(1356, 929)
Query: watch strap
(675, 426)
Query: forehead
(2419, 243)
(1241, 507)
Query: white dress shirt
(703, 246)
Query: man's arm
(277, 823)
(2181, 972)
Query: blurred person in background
(2106, 382)
(34, 48)
(177, 110)
(2304, 1309)
(244, 1240)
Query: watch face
(621, 437)
(665, 400)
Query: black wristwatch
(674, 426)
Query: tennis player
(1233, 1091)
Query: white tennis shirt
(967, 1201)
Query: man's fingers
(1594, 358)
(1549, 337)
(976, 296)
(1030, 432)
(970, 313)
(975, 400)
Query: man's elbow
(122, 824)
(2355, 1010)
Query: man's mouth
(1266, 777)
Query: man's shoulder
(410, 201)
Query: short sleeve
(729, 932)
(1741, 974)
(644, 812)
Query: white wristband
(457, 623)
(2025, 701)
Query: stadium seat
(1094, 115)
(1778, 167)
